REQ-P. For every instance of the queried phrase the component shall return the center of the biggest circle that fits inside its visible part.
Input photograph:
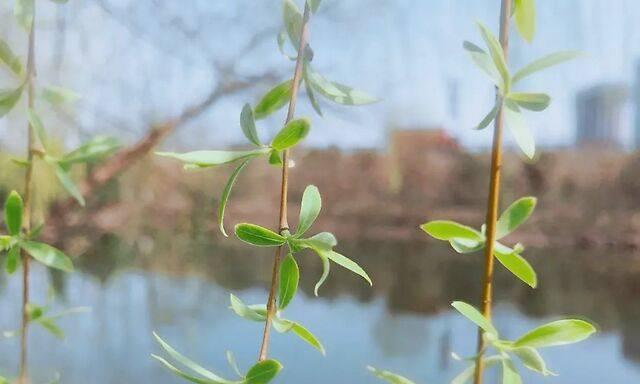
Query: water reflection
(403, 323)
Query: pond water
(404, 323)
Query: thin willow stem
(283, 224)
(28, 191)
(494, 197)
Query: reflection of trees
(390, 332)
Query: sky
(139, 62)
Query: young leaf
(177, 356)
(484, 62)
(517, 213)
(93, 150)
(471, 313)
(8, 99)
(289, 277)
(531, 359)
(336, 92)
(258, 236)
(509, 373)
(233, 363)
(450, 230)
(292, 22)
(226, 193)
(326, 267)
(309, 209)
(543, 63)
(245, 311)
(13, 260)
(291, 134)
(186, 376)
(23, 11)
(467, 374)
(322, 240)
(530, 101)
(13, 207)
(248, 125)
(33, 311)
(10, 59)
(518, 127)
(559, 332)
(282, 38)
(389, 376)
(314, 5)
(212, 158)
(488, 118)
(275, 99)
(36, 123)
(263, 372)
(497, 55)
(525, 15)
(466, 245)
(516, 264)
(48, 255)
(48, 324)
(59, 95)
(68, 184)
(304, 334)
(310, 93)
(349, 264)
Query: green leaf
(33, 311)
(282, 38)
(225, 195)
(58, 95)
(93, 150)
(450, 230)
(48, 324)
(467, 374)
(48, 255)
(36, 123)
(525, 15)
(8, 99)
(186, 376)
(248, 125)
(497, 55)
(289, 277)
(530, 101)
(23, 11)
(258, 236)
(13, 260)
(509, 373)
(273, 100)
(326, 267)
(559, 332)
(245, 311)
(310, 93)
(263, 372)
(543, 63)
(10, 59)
(309, 209)
(314, 5)
(233, 363)
(13, 208)
(349, 264)
(322, 240)
(531, 359)
(204, 159)
(68, 184)
(291, 134)
(389, 376)
(471, 313)
(516, 264)
(518, 127)
(284, 325)
(484, 62)
(336, 92)
(517, 213)
(274, 158)
(466, 245)
(195, 367)
(292, 22)
(488, 118)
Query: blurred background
(174, 75)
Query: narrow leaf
(263, 372)
(389, 377)
(517, 213)
(23, 11)
(471, 313)
(314, 5)
(274, 158)
(212, 158)
(509, 373)
(289, 277)
(336, 92)
(559, 332)
(484, 62)
(48, 324)
(8, 99)
(225, 195)
(326, 267)
(233, 363)
(521, 133)
(543, 63)
(91, 151)
(13, 208)
(273, 100)
(450, 230)
(248, 125)
(309, 209)
(304, 334)
(245, 311)
(183, 375)
(58, 95)
(68, 184)
(48, 255)
(311, 94)
(13, 260)
(258, 236)
(525, 15)
(488, 118)
(466, 245)
(291, 134)
(531, 359)
(292, 21)
(10, 59)
(516, 264)
(36, 123)
(497, 54)
(349, 264)
(531, 101)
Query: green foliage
(23, 11)
(291, 134)
(524, 13)
(13, 207)
(8, 99)
(258, 236)
(389, 376)
(273, 100)
(261, 373)
(464, 239)
(8, 58)
(289, 277)
(561, 332)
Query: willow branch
(283, 223)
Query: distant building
(599, 111)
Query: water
(403, 323)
